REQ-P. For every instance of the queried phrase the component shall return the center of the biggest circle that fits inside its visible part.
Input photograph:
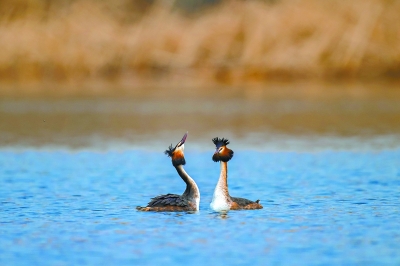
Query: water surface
(324, 208)
(326, 167)
(291, 117)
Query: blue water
(78, 207)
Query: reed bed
(233, 42)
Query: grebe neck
(223, 180)
(191, 191)
(221, 200)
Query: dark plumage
(222, 152)
(220, 142)
(242, 201)
(178, 161)
(190, 199)
(168, 199)
(170, 151)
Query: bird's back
(168, 200)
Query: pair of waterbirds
(190, 199)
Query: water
(277, 118)
(326, 167)
(78, 207)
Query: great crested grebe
(189, 200)
(222, 201)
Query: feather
(168, 200)
(170, 151)
(220, 142)
(241, 201)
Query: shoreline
(132, 87)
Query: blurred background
(92, 92)
(80, 71)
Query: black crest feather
(220, 142)
(222, 155)
(170, 151)
(175, 160)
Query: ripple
(85, 217)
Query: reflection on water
(275, 118)
(223, 215)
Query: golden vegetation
(234, 42)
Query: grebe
(222, 201)
(190, 199)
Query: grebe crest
(190, 199)
(222, 201)
(222, 152)
(176, 153)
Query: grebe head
(222, 153)
(176, 153)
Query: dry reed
(235, 42)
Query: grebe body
(222, 201)
(189, 200)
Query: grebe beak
(217, 150)
(183, 140)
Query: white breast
(219, 201)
